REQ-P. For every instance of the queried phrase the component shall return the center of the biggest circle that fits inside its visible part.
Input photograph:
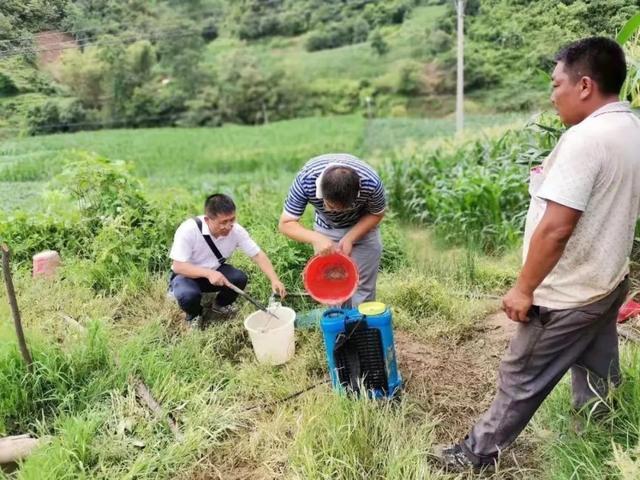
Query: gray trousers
(366, 254)
(541, 351)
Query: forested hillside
(69, 65)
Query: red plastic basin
(330, 279)
(628, 310)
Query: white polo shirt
(189, 245)
(594, 168)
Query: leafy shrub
(7, 85)
(388, 12)
(113, 238)
(378, 43)
(410, 78)
(56, 115)
(249, 93)
(631, 88)
(360, 30)
(333, 36)
(43, 118)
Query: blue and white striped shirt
(371, 199)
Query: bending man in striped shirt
(348, 197)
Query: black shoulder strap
(209, 240)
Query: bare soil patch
(457, 381)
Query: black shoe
(453, 459)
(224, 312)
(194, 322)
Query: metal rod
(460, 4)
(251, 299)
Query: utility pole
(460, 69)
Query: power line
(208, 14)
(133, 37)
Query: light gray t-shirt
(595, 168)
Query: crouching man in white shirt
(201, 247)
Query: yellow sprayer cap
(372, 308)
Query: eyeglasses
(222, 224)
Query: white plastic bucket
(273, 339)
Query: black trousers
(188, 291)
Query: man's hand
(323, 245)
(345, 245)
(218, 279)
(516, 304)
(278, 287)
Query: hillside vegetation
(209, 62)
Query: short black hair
(600, 58)
(218, 203)
(340, 185)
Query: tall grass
(339, 437)
(606, 447)
(62, 380)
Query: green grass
(207, 159)
(178, 154)
(384, 134)
(607, 448)
(228, 406)
(210, 381)
(224, 401)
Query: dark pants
(541, 351)
(188, 291)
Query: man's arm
(266, 266)
(292, 228)
(545, 249)
(359, 230)
(189, 270)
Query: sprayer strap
(209, 240)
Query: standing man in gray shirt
(585, 202)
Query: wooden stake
(11, 293)
(147, 398)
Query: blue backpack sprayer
(360, 350)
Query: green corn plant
(629, 37)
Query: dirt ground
(457, 382)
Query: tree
(360, 30)
(180, 57)
(378, 43)
(83, 74)
(249, 93)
